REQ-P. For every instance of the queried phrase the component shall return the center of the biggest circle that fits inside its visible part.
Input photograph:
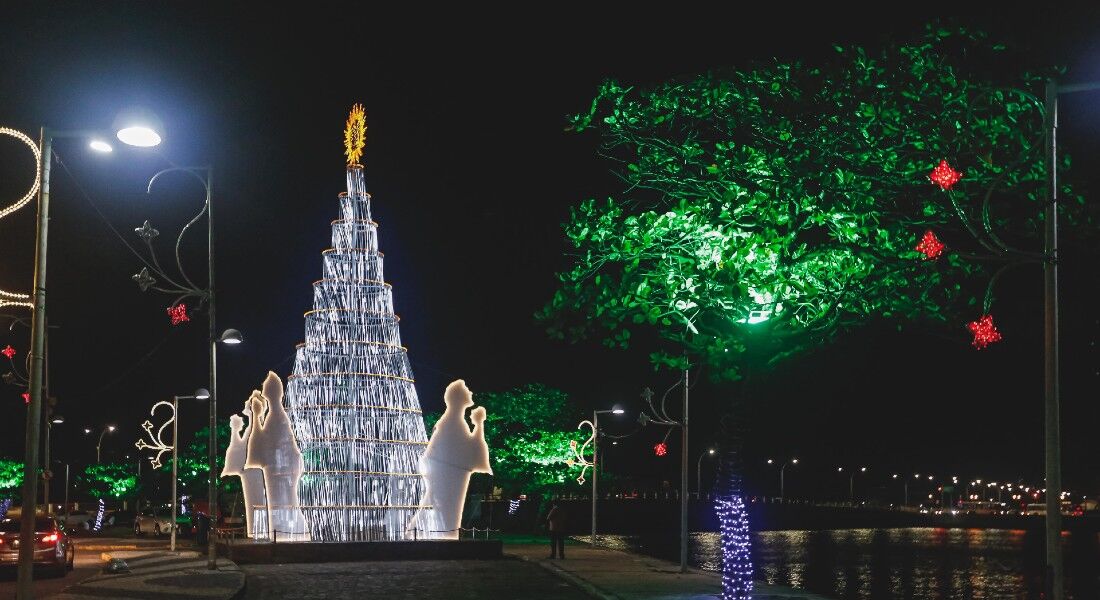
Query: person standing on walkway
(557, 520)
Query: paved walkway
(162, 575)
(615, 575)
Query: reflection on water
(897, 564)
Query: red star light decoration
(984, 332)
(930, 246)
(8, 352)
(944, 176)
(26, 397)
(178, 314)
(660, 449)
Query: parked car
(52, 548)
(155, 522)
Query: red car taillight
(50, 538)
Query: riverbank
(617, 575)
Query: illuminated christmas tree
(351, 397)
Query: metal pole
(24, 585)
(906, 492)
(46, 469)
(684, 481)
(781, 467)
(99, 443)
(699, 474)
(175, 465)
(212, 493)
(595, 468)
(852, 488)
(1050, 343)
(66, 494)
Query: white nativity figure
(453, 453)
(272, 448)
(252, 480)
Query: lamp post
(53, 420)
(1053, 447)
(905, 485)
(699, 469)
(852, 482)
(99, 444)
(782, 483)
(140, 131)
(204, 175)
(595, 459)
(200, 394)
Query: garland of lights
(12, 298)
(735, 540)
(99, 515)
(351, 396)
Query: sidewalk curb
(590, 589)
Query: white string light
(351, 398)
(12, 298)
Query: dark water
(897, 564)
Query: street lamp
(699, 469)
(615, 410)
(1053, 447)
(793, 461)
(905, 484)
(200, 394)
(37, 354)
(204, 175)
(109, 428)
(53, 420)
(851, 482)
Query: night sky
(472, 174)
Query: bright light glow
(202, 394)
(141, 136)
(100, 146)
(87, 431)
(863, 469)
(770, 461)
(111, 428)
(617, 411)
(794, 461)
(58, 420)
(711, 451)
(231, 337)
(12, 298)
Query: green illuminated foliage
(193, 468)
(110, 480)
(765, 210)
(11, 477)
(528, 430)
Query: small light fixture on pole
(109, 428)
(230, 337)
(699, 469)
(615, 410)
(782, 483)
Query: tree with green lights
(768, 209)
(11, 478)
(528, 430)
(110, 480)
(193, 467)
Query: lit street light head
(100, 146)
(770, 461)
(794, 461)
(710, 451)
(111, 428)
(617, 410)
(57, 420)
(202, 394)
(137, 126)
(231, 336)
